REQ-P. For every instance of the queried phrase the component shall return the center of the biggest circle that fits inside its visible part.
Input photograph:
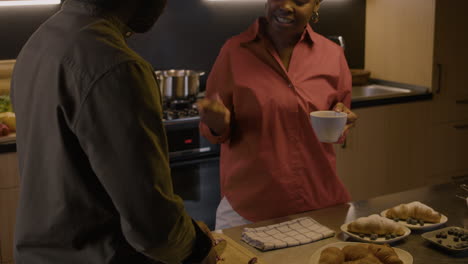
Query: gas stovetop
(180, 111)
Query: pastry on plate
(360, 254)
(356, 252)
(415, 210)
(332, 255)
(375, 224)
(385, 254)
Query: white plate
(443, 220)
(379, 240)
(402, 254)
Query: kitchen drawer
(448, 145)
(461, 108)
(461, 157)
(9, 174)
(8, 205)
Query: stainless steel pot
(179, 84)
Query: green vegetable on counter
(5, 104)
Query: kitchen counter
(402, 93)
(440, 197)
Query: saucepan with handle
(179, 84)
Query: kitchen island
(440, 197)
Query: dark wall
(190, 32)
(17, 24)
(348, 19)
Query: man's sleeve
(120, 128)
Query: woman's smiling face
(289, 16)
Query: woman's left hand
(352, 117)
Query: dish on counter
(452, 238)
(375, 229)
(415, 215)
(403, 255)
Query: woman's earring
(315, 17)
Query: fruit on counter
(375, 224)
(4, 130)
(5, 104)
(360, 254)
(8, 119)
(414, 210)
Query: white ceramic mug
(328, 125)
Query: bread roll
(331, 255)
(375, 224)
(415, 210)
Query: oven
(194, 167)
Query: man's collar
(92, 10)
(257, 31)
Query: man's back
(68, 214)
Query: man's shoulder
(98, 48)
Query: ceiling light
(30, 2)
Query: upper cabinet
(450, 61)
(400, 40)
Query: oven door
(197, 182)
(185, 141)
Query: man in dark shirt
(93, 158)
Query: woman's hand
(214, 114)
(352, 117)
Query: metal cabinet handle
(461, 127)
(439, 78)
(464, 101)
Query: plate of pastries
(375, 229)
(415, 215)
(360, 253)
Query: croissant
(375, 224)
(331, 255)
(367, 260)
(385, 253)
(415, 210)
(355, 252)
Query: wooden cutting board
(234, 253)
(6, 68)
(4, 86)
(10, 138)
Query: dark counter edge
(7, 148)
(419, 93)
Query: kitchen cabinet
(450, 58)
(401, 146)
(9, 193)
(387, 150)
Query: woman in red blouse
(262, 87)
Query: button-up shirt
(93, 156)
(272, 163)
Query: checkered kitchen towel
(286, 234)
